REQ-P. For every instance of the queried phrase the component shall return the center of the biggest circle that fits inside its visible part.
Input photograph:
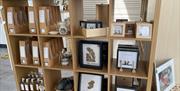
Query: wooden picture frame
(118, 29)
(93, 54)
(131, 52)
(144, 30)
(165, 76)
(89, 80)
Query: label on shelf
(42, 16)
(22, 87)
(43, 31)
(31, 17)
(22, 51)
(35, 51)
(46, 52)
(33, 30)
(10, 18)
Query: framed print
(91, 24)
(118, 29)
(130, 29)
(90, 54)
(127, 57)
(90, 82)
(165, 76)
(144, 30)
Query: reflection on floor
(7, 82)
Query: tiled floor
(7, 82)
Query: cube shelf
(52, 74)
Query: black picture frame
(103, 54)
(127, 48)
(80, 83)
(97, 24)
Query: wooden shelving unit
(52, 75)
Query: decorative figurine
(66, 84)
(65, 57)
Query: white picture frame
(118, 29)
(165, 76)
(144, 30)
(90, 82)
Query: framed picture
(130, 30)
(90, 54)
(90, 82)
(118, 29)
(144, 30)
(165, 76)
(127, 57)
(91, 24)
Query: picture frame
(144, 30)
(127, 57)
(165, 76)
(91, 24)
(90, 82)
(118, 29)
(130, 30)
(92, 54)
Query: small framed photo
(91, 24)
(165, 76)
(127, 57)
(144, 30)
(130, 30)
(118, 29)
(90, 54)
(90, 82)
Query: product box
(43, 18)
(31, 18)
(25, 52)
(35, 53)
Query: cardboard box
(35, 53)
(31, 18)
(25, 52)
(43, 20)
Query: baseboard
(3, 46)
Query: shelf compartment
(52, 77)
(140, 72)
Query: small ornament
(63, 30)
(65, 57)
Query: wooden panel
(168, 45)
